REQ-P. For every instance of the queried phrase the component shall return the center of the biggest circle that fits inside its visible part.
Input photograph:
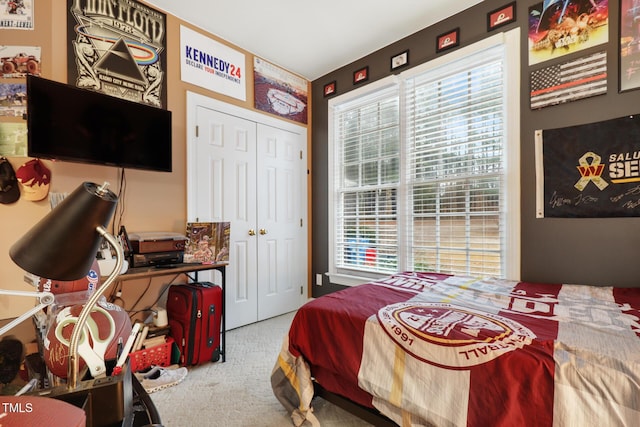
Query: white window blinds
(423, 175)
(368, 159)
(455, 175)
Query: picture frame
(123, 238)
(501, 16)
(207, 242)
(448, 40)
(628, 56)
(400, 60)
(329, 89)
(361, 75)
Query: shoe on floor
(159, 378)
(140, 375)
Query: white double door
(253, 175)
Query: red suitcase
(195, 312)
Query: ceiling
(312, 38)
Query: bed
(426, 349)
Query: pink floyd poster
(561, 27)
(118, 47)
(590, 170)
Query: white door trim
(193, 101)
(196, 103)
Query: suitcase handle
(211, 325)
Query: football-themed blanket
(431, 349)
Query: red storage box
(159, 355)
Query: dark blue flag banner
(590, 170)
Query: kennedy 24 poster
(118, 47)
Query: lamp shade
(63, 245)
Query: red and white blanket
(431, 349)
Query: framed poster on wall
(400, 60)
(279, 92)
(110, 52)
(629, 49)
(563, 27)
(329, 89)
(361, 75)
(501, 16)
(448, 40)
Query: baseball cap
(9, 190)
(35, 178)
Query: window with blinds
(455, 119)
(368, 176)
(421, 170)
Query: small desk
(147, 272)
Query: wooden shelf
(146, 272)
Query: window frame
(511, 253)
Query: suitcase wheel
(216, 355)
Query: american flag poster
(581, 78)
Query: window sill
(348, 280)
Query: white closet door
(254, 176)
(225, 191)
(281, 251)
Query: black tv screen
(68, 123)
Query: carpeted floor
(238, 391)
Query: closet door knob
(252, 232)
(263, 231)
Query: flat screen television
(68, 123)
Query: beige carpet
(238, 391)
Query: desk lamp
(44, 299)
(63, 245)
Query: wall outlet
(318, 279)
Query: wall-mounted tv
(68, 123)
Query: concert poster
(118, 47)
